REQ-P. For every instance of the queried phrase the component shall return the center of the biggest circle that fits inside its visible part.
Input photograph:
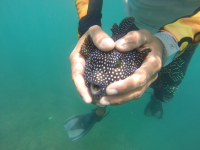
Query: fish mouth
(95, 89)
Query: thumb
(100, 39)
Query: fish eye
(118, 64)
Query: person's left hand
(133, 87)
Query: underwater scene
(37, 94)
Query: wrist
(161, 49)
(170, 47)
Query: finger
(100, 39)
(126, 97)
(82, 89)
(97, 102)
(140, 77)
(132, 40)
(78, 59)
(120, 99)
(77, 76)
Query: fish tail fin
(115, 29)
(126, 24)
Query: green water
(37, 93)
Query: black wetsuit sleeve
(89, 12)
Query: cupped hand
(133, 87)
(103, 42)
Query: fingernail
(98, 104)
(104, 102)
(120, 42)
(112, 91)
(107, 42)
(87, 99)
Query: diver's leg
(100, 111)
(171, 76)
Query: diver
(172, 32)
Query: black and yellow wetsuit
(185, 30)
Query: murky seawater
(37, 93)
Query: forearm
(89, 12)
(177, 36)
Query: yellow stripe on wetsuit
(186, 31)
(82, 7)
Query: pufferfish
(104, 68)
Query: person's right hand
(103, 42)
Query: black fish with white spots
(104, 68)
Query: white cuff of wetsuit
(170, 47)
